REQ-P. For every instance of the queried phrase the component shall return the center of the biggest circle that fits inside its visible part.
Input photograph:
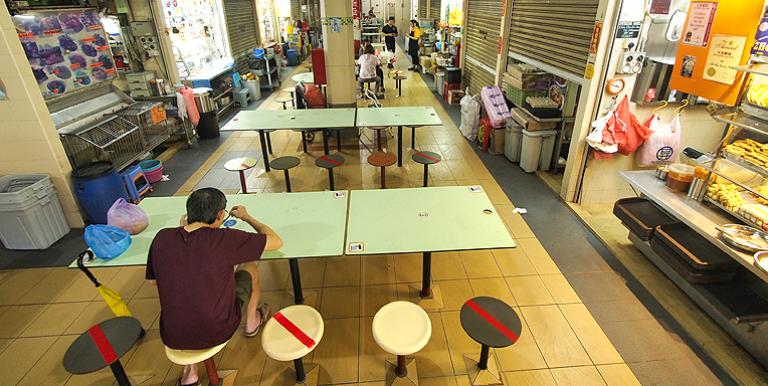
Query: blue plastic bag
(106, 241)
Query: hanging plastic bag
(106, 241)
(127, 216)
(629, 133)
(663, 146)
(595, 137)
(470, 116)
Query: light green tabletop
(398, 116)
(291, 119)
(311, 224)
(304, 77)
(423, 220)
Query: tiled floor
(42, 310)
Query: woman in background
(413, 44)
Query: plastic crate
(31, 216)
(517, 96)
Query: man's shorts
(243, 287)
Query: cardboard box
(454, 97)
(528, 123)
(497, 142)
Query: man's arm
(274, 242)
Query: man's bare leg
(252, 316)
(189, 375)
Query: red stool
(381, 160)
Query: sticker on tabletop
(356, 247)
(476, 189)
(423, 214)
(340, 194)
(230, 223)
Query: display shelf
(759, 170)
(731, 213)
(750, 70)
(734, 181)
(744, 121)
(538, 119)
(225, 107)
(225, 92)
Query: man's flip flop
(178, 383)
(264, 313)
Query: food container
(744, 237)
(761, 260)
(680, 177)
(661, 172)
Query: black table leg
(119, 373)
(304, 141)
(269, 143)
(287, 181)
(265, 156)
(426, 175)
(413, 138)
(399, 146)
(330, 178)
(483, 363)
(426, 275)
(326, 148)
(299, 366)
(298, 296)
(338, 140)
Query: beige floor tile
(17, 283)
(147, 290)
(278, 373)
(312, 272)
(455, 293)
(21, 356)
(16, 319)
(494, 287)
(480, 264)
(378, 269)
(274, 275)
(278, 300)
(373, 297)
(529, 290)
(592, 337)
(4, 343)
(513, 262)
(584, 375)
(560, 289)
(437, 381)
(246, 356)
(127, 281)
(524, 354)
(54, 320)
(145, 310)
(538, 256)
(530, 378)
(618, 375)
(338, 352)
(94, 313)
(408, 267)
(372, 358)
(447, 266)
(51, 286)
(434, 360)
(340, 302)
(49, 370)
(82, 290)
(342, 271)
(557, 342)
(494, 192)
(459, 343)
(149, 359)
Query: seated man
(368, 64)
(366, 43)
(205, 273)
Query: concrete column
(29, 142)
(506, 23)
(339, 54)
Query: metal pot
(204, 99)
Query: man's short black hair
(203, 205)
(391, 18)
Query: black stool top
(490, 322)
(426, 157)
(376, 128)
(284, 163)
(382, 159)
(329, 161)
(102, 345)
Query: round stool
(426, 158)
(402, 328)
(193, 357)
(379, 138)
(330, 162)
(399, 84)
(284, 101)
(290, 335)
(382, 160)
(103, 345)
(492, 323)
(292, 92)
(240, 165)
(285, 164)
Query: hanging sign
(724, 55)
(595, 42)
(628, 30)
(761, 38)
(660, 7)
(700, 20)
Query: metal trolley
(111, 139)
(151, 120)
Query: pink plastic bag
(189, 98)
(127, 216)
(663, 146)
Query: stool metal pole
(242, 182)
(263, 139)
(304, 141)
(330, 178)
(483, 363)
(299, 366)
(298, 295)
(338, 140)
(383, 177)
(326, 149)
(426, 275)
(413, 137)
(119, 373)
(210, 368)
(426, 175)
(401, 370)
(287, 181)
(269, 143)
(399, 146)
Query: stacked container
(31, 216)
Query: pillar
(506, 24)
(339, 53)
(30, 143)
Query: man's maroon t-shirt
(196, 283)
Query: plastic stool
(136, 183)
(193, 357)
(290, 335)
(426, 158)
(330, 162)
(492, 323)
(285, 164)
(382, 160)
(402, 328)
(240, 165)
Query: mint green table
(423, 220)
(311, 225)
(412, 117)
(309, 119)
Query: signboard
(724, 55)
(700, 20)
(761, 38)
(595, 42)
(660, 7)
(628, 29)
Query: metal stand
(287, 181)
(338, 140)
(210, 368)
(399, 146)
(426, 275)
(401, 369)
(383, 177)
(478, 376)
(330, 178)
(426, 175)
(413, 138)
(483, 363)
(401, 373)
(298, 295)
(299, 366)
(243, 186)
(269, 143)
(326, 149)
(265, 157)
(119, 373)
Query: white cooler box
(537, 150)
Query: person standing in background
(389, 32)
(413, 44)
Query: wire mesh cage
(114, 139)
(151, 119)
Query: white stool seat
(401, 328)
(282, 345)
(191, 357)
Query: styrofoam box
(31, 217)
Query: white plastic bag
(595, 137)
(129, 217)
(663, 146)
(470, 116)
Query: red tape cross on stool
(103, 345)
(326, 159)
(433, 159)
(493, 321)
(294, 330)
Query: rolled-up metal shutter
(242, 30)
(295, 10)
(556, 32)
(434, 9)
(481, 42)
(423, 9)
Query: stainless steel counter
(700, 217)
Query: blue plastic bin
(97, 186)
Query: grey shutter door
(556, 32)
(481, 43)
(434, 9)
(423, 9)
(295, 10)
(243, 32)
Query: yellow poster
(455, 17)
(724, 55)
